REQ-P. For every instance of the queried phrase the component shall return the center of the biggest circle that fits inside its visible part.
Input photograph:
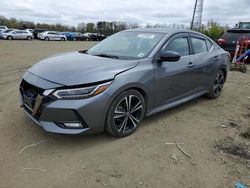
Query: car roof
(166, 31)
(163, 30)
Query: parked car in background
(51, 35)
(228, 40)
(30, 30)
(243, 25)
(115, 84)
(18, 34)
(3, 28)
(36, 31)
(75, 36)
(94, 36)
(5, 31)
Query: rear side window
(179, 45)
(199, 45)
(209, 45)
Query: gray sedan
(114, 85)
(17, 34)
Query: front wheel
(62, 39)
(217, 85)
(10, 38)
(125, 114)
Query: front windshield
(127, 45)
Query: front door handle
(190, 64)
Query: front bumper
(91, 112)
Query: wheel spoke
(221, 80)
(217, 90)
(127, 103)
(136, 107)
(120, 112)
(124, 124)
(133, 122)
(220, 86)
(134, 118)
(216, 79)
(119, 116)
(215, 87)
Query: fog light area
(73, 125)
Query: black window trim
(191, 35)
(176, 36)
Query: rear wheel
(29, 38)
(217, 85)
(46, 38)
(125, 114)
(62, 39)
(10, 38)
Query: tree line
(211, 29)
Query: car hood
(75, 68)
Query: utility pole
(197, 15)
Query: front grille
(29, 94)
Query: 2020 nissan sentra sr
(112, 86)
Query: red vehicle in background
(228, 40)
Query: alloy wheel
(128, 113)
(218, 84)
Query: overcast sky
(140, 11)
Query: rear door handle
(190, 64)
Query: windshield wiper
(107, 55)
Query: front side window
(199, 45)
(179, 45)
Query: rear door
(57, 36)
(205, 60)
(52, 35)
(174, 80)
(24, 34)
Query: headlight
(80, 93)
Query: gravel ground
(210, 130)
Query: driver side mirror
(169, 56)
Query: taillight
(221, 42)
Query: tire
(10, 38)
(29, 38)
(46, 38)
(62, 39)
(125, 114)
(74, 39)
(217, 85)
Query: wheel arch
(133, 86)
(224, 70)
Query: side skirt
(175, 103)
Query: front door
(174, 80)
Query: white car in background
(3, 28)
(18, 34)
(51, 35)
